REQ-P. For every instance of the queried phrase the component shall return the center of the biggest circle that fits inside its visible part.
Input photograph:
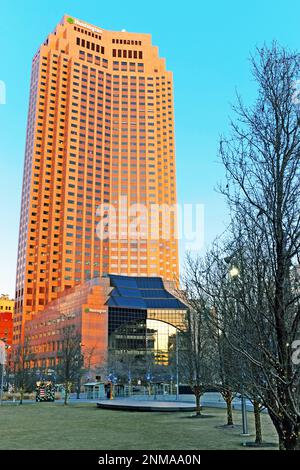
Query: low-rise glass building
(119, 319)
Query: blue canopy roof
(142, 293)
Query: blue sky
(206, 44)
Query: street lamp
(129, 382)
(148, 378)
(2, 363)
(234, 273)
(177, 366)
(245, 432)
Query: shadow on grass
(228, 426)
(259, 446)
(202, 416)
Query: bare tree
(70, 366)
(88, 357)
(196, 345)
(21, 366)
(262, 162)
(244, 380)
(233, 372)
(224, 369)
(226, 374)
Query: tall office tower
(100, 141)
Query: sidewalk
(210, 399)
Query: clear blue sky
(206, 44)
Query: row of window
(108, 76)
(93, 59)
(125, 66)
(88, 33)
(90, 45)
(127, 41)
(127, 54)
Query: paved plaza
(130, 404)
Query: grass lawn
(83, 426)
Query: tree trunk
(21, 396)
(78, 391)
(198, 407)
(281, 443)
(229, 411)
(257, 419)
(291, 442)
(66, 394)
(288, 433)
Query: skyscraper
(99, 157)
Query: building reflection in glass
(147, 340)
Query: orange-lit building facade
(6, 327)
(82, 308)
(100, 132)
(6, 318)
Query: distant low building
(6, 318)
(6, 304)
(6, 327)
(94, 390)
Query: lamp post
(114, 382)
(129, 382)
(171, 385)
(1, 388)
(177, 366)
(2, 363)
(234, 273)
(148, 378)
(245, 432)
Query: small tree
(23, 374)
(196, 349)
(236, 332)
(70, 367)
(225, 374)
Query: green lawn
(83, 426)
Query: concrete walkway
(210, 399)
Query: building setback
(100, 134)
